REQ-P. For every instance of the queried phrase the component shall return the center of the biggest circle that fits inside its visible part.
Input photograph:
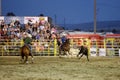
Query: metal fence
(110, 46)
(38, 48)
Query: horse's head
(66, 45)
(67, 41)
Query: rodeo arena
(44, 38)
(47, 51)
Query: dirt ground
(55, 68)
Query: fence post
(55, 47)
(71, 42)
(104, 44)
(112, 43)
(89, 46)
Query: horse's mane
(25, 46)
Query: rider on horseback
(63, 39)
(27, 41)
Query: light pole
(55, 19)
(0, 7)
(94, 16)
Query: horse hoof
(78, 58)
(26, 62)
(60, 57)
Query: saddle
(26, 47)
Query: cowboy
(63, 39)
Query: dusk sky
(72, 11)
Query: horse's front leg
(78, 55)
(59, 52)
(69, 54)
(22, 59)
(81, 56)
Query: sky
(64, 11)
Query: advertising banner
(43, 18)
(110, 51)
(93, 51)
(31, 19)
(34, 19)
(102, 52)
(8, 19)
(1, 19)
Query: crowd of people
(39, 31)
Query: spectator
(17, 23)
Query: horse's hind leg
(31, 57)
(22, 59)
(26, 59)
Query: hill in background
(102, 26)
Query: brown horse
(65, 47)
(25, 52)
